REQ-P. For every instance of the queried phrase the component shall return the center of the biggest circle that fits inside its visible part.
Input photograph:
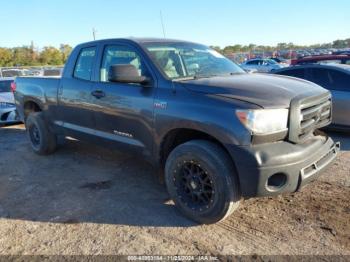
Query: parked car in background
(280, 60)
(52, 71)
(261, 65)
(302, 53)
(8, 112)
(342, 52)
(35, 72)
(324, 59)
(13, 72)
(335, 78)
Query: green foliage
(23, 56)
(5, 57)
(341, 43)
(280, 46)
(65, 51)
(29, 56)
(51, 56)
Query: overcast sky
(219, 22)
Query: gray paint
(205, 105)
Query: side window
(321, 77)
(339, 81)
(120, 55)
(85, 63)
(254, 62)
(299, 73)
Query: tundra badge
(160, 105)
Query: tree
(232, 49)
(30, 56)
(5, 57)
(22, 56)
(51, 56)
(282, 46)
(340, 43)
(348, 42)
(251, 47)
(65, 51)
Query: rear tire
(42, 140)
(202, 181)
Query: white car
(262, 65)
(8, 112)
(13, 72)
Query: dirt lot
(89, 200)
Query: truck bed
(42, 90)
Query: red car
(339, 59)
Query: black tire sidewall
(46, 144)
(222, 174)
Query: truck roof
(140, 40)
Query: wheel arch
(178, 136)
(31, 106)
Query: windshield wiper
(236, 73)
(204, 76)
(186, 78)
(196, 77)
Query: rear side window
(5, 86)
(331, 79)
(85, 63)
(339, 80)
(320, 76)
(299, 73)
(254, 62)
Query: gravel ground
(89, 200)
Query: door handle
(98, 94)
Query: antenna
(162, 22)
(94, 33)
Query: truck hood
(7, 97)
(267, 91)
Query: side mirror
(126, 74)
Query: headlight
(264, 121)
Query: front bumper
(8, 115)
(299, 164)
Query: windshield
(271, 61)
(186, 60)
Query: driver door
(124, 111)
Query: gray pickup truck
(218, 133)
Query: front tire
(42, 140)
(202, 181)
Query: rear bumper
(294, 165)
